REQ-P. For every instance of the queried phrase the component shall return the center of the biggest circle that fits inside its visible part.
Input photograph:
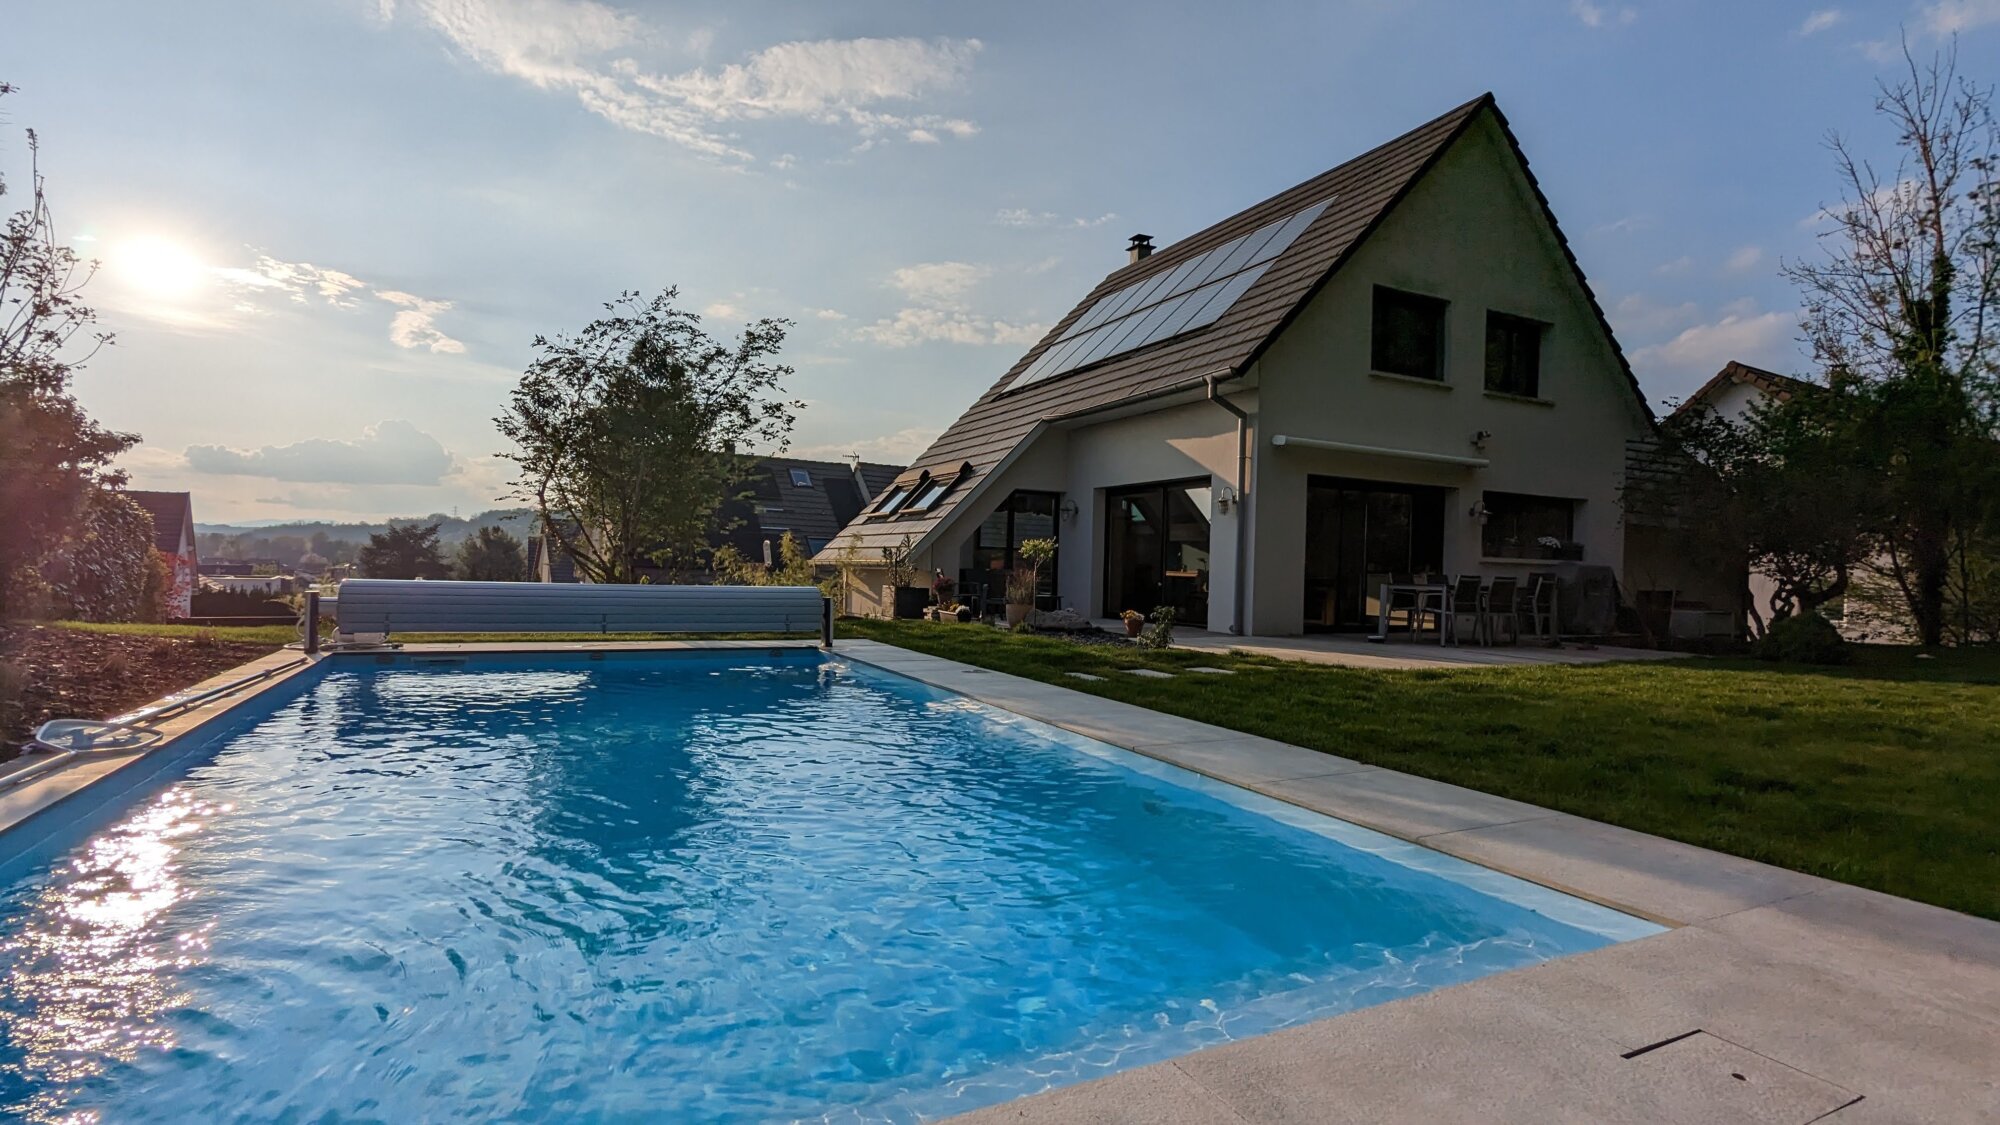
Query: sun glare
(160, 267)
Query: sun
(158, 266)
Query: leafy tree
(404, 551)
(1903, 312)
(492, 555)
(627, 434)
(793, 566)
(107, 568)
(53, 457)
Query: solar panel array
(1191, 295)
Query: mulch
(67, 674)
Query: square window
(801, 479)
(1514, 355)
(1527, 527)
(1408, 335)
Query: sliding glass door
(1156, 550)
(1360, 534)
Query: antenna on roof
(1141, 247)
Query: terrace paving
(1777, 997)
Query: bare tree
(52, 455)
(1901, 314)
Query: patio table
(1390, 589)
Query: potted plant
(1134, 621)
(1024, 585)
(902, 596)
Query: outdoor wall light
(1478, 510)
(1480, 439)
(1068, 511)
(1224, 498)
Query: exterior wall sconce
(1225, 498)
(1068, 510)
(1478, 511)
(1480, 438)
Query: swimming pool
(709, 886)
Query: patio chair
(1535, 607)
(1501, 611)
(1461, 602)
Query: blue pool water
(736, 886)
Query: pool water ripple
(724, 887)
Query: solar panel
(1191, 295)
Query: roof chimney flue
(1142, 247)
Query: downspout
(1242, 485)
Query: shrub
(1160, 634)
(104, 572)
(1804, 639)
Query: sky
(330, 230)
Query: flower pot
(1017, 612)
(906, 603)
(963, 613)
(1133, 625)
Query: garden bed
(50, 672)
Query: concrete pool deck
(1777, 997)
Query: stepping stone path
(1086, 676)
(1149, 673)
(1213, 671)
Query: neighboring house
(1394, 367)
(173, 537)
(1873, 610)
(811, 500)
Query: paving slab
(1401, 804)
(1153, 1095)
(1735, 1084)
(1248, 759)
(1677, 882)
(1149, 673)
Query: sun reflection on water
(88, 970)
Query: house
(1394, 367)
(777, 496)
(173, 537)
(1873, 610)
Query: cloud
(295, 280)
(414, 323)
(1741, 333)
(1821, 20)
(913, 326)
(587, 49)
(1681, 264)
(391, 452)
(828, 314)
(1640, 315)
(940, 312)
(1024, 218)
(721, 310)
(1953, 16)
(1744, 260)
(938, 283)
(899, 448)
(1599, 15)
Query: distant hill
(451, 529)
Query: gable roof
(173, 514)
(814, 512)
(1357, 196)
(1735, 374)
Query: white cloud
(1821, 20)
(1022, 217)
(414, 325)
(913, 326)
(899, 448)
(1741, 334)
(1600, 15)
(1681, 264)
(721, 310)
(1640, 315)
(587, 49)
(295, 280)
(828, 314)
(1953, 16)
(1745, 259)
(938, 283)
(391, 452)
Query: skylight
(801, 479)
(1191, 295)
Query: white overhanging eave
(1380, 451)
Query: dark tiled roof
(814, 512)
(1360, 193)
(1780, 387)
(172, 512)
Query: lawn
(1885, 774)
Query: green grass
(1884, 774)
(247, 634)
